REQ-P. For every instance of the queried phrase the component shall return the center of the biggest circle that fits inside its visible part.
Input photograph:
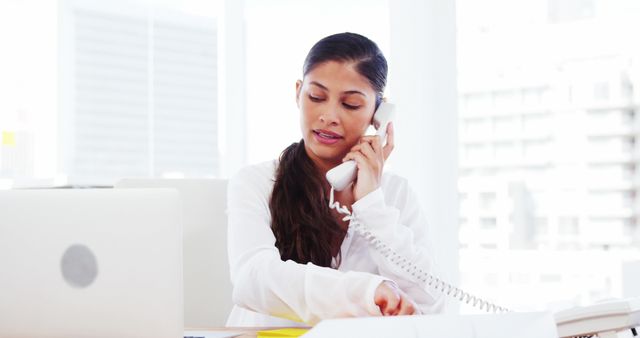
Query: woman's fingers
(369, 146)
(406, 306)
(367, 150)
(393, 301)
(376, 142)
(387, 298)
(393, 305)
(369, 156)
(363, 149)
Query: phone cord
(424, 278)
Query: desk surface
(247, 332)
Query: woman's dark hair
(351, 47)
(303, 225)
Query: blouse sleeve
(403, 228)
(262, 282)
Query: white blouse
(270, 292)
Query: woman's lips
(326, 137)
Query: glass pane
(548, 143)
(94, 91)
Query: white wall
(233, 75)
(28, 81)
(423, 82)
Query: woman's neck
(323, 167)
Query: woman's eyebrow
(349, 92)
(319, 85)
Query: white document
(507, 325)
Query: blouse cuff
(373, 199)
(375, 214)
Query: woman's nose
(330, 116)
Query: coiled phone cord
(423, 277)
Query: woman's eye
(349, 106)
(315, 98)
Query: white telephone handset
(340, 176)
(606, 320)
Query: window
(131, 90)
(541, 225)
(506, 100)
(488, 200)
(477, 152)
(563, 144)
(601, 91)
(532, 97)
(507, 151)
(535, 123)
(477, 103)
(506, 125)
(145, 98)
(568, 225)
(474, 127)
(536, 150)
(488, 223)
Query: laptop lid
(207, 285)
(90, 263)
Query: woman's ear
(298, 88)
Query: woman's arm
(262, 282)
(401, 225)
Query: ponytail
(304, 227)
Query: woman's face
(336, 106)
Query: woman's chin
(328, 156)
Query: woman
(293, 260)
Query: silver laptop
(90, 263)
(207, 286)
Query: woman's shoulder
(259, 176)
(264, 169)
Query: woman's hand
(392, 301)
(369, 156)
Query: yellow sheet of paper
(8, 138)
(282, 333)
